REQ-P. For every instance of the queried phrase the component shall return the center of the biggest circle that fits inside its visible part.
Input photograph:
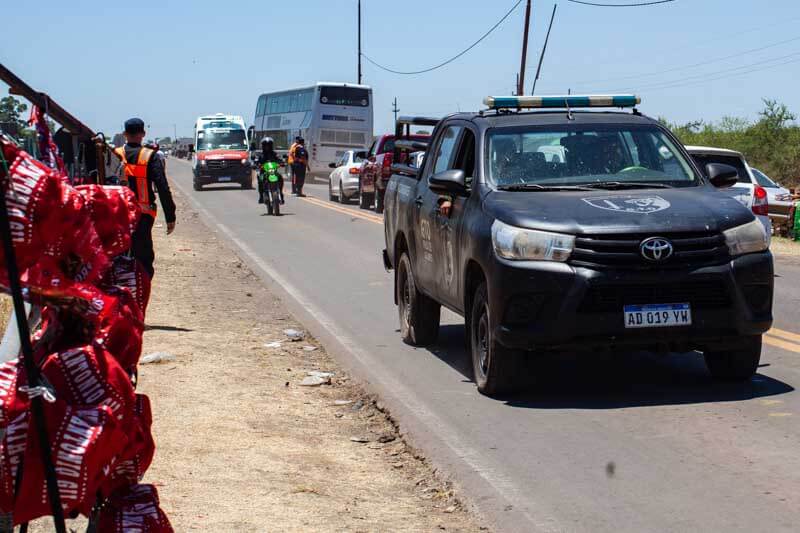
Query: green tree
(11, 112)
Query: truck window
(465, 160)
(446, 148)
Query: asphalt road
(626, 442)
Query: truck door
(429, 253)
(450, 227)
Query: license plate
(657, 316)
(224, 178)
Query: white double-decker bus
(331, 117)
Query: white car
(780, 200)
(343, 182)
(747, 190)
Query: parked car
(746, 189)
(343, 181)
(780, 202)
(377, 169)
(625, 244)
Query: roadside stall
(76, 436)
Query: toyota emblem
(656, 249)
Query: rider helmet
(267, 143)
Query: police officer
(299, 165)
(142, 171)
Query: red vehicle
(377, 169)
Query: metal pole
(521, 84)
(32, 371)
(544, 48)
(359, 42)
(395, 110)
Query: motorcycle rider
(268, 155)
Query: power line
(638, 4)
(709, 76)
(693, 65)
(440, 65)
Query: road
(626, 442)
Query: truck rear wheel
(496, 369)
(739, 364)
(419, 314)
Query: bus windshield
(221, 138)
(346, 96)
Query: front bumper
(557, 306)
(234, 172)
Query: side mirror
(722, 176)
(332, 165)
(449, 182)
(253, 147)
(191, 148)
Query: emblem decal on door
(627, 203)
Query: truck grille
(622, 250)
(710, 294)
(223, 164)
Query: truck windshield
(216, 138)
(586, 155)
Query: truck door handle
(419, 201)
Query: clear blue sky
(168, 61)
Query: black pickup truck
(556, 230)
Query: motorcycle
(269, 187)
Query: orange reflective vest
(291, 153)
(138, 172)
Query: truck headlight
(518, 244)
(244, 161)
(747, 238)
(202, 162)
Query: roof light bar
(561, 102)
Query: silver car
(343, 182)
(780, 201)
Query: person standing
(144, 173)
(299, 165)
(290, 162)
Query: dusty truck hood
(639, 211)
(222, 154)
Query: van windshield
(217, 138)
(586, 155)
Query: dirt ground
(241, 446)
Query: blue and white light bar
(561, 102)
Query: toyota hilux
(554, 229)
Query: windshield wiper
(537, 187)
(618, 185)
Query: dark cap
(134, 126)
(297, 138)
(301, 140)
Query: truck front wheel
(496, 368)
(419, 314)
(739, 364)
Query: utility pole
(521, 82)
(359, 42)
(175, 133)
(544, 49)
(395, 110)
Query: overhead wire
(444, 63)
(693, 65)
(636, 4)
(712, 76)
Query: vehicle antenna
(544, 49)
(395, 110)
